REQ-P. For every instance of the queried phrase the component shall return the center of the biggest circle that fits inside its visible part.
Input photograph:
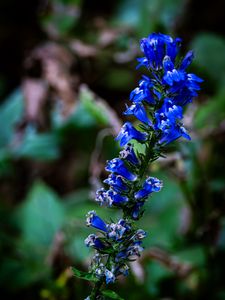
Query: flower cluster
(157, 103)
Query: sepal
(84, 275)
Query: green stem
(96, 290)
(142, 173)
(143, 170)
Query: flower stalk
(157, 104)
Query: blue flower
(101, 196)
(140, 234)
(109, 276)
(143, 92)
(187, 60)
(167, 115)
(129, 155)
(134, 250)
(100, 271)
(155, 48)
(117, 230)
(117, 183)
(166, 120)
(137, 210)
(94, 221)
(123, 269)
(113, 198)
(172, 76)
(93, 241)
(128, 132)
(117, 166)
(138, 110)
(150, 185)
(193, 82)
(173, 133)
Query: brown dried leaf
(35, 94)
(56, 62)
(82, 49)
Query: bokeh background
(66, 70)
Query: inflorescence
(157, 103)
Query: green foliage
(38, 146)
(10, 113)
(40, 216)
(111, 294)
(147, 16)
(213, 112)
(84, 275)
(209, 50)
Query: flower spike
(157, 104)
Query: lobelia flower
(129, 154)
(117, 183)
(138, 110)
(115, 198)
(94, 221)
(117, 166)
(151, 185)
(128, 132)
(157, 103)
(143, 92)
(93, 241)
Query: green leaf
(10, 113)
(92, 106)
(209, 50)
(84, 275)
(41, 147)
(41, 216)
(111, 294)
(213, 111)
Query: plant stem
(96, 290)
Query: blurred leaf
(41, 216)
(212, 112)
(209, 49)
(39, 146)
(195, 255)
(63, 17)
(84, 275)
(111, 294)
(77, 243)
(147, 16)
(10, 113)
(92, 106)
(90, 112)
(117, 79)
(163, 210)
(155, 273)
(6, 166)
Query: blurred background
(66, 70)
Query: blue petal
(94, 221)
(116, 198)
(128, 132)
(117, 166)
(174, 133)
(167, 64)
(187, 60)
(151, 185)
(139, 112)
(129, 154)
(116, 182)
